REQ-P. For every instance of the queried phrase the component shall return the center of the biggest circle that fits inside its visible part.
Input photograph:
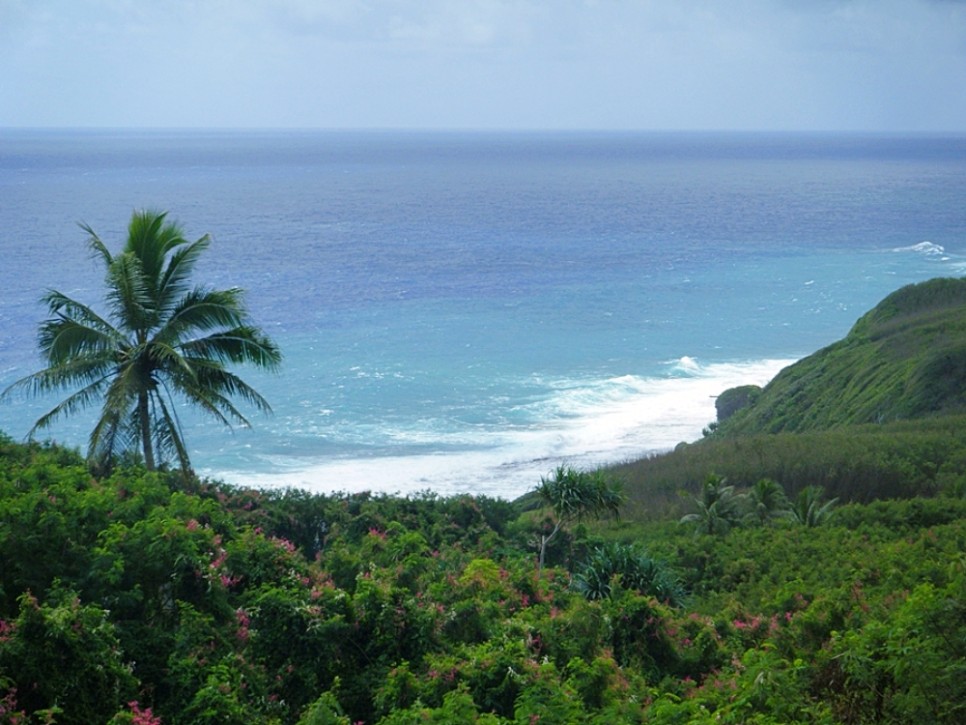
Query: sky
(798, 65)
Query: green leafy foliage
(905, 459)
(61, 656)
(766, 502)
(732, 400)
(577, 495)
(717, 507)
(174, 602)
(810, 509)
(621, 565)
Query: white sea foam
(927, 248)
(584, 423)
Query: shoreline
(664, 413)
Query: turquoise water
(466, 311)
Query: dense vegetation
(853, 463)
(139, 598)
(879, 414)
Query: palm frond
(211, 388)
(80, 400)
(222, 385)
(203, 311)
(149, 240)
(60, 305)
(243, 344)
(217, 406)
(199, 386)
(231, 385)
(81, 371)
(117, 428)
(106, 439)
(122, 394)
(97, 247)
(169, 362)
(169, 235)
(174, 282)
(63, 339)
(129, 294)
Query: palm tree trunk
(146, 431)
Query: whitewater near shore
(613, 421)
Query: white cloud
(609, 63)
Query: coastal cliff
(905, 359)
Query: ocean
(463, 312)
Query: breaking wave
(583, 422)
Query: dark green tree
(576, 495)
(766, 502)
(64, 661)
(162, 337)
(810, 509)
(717, 507)
(631, 568)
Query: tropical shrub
(183, 602)
(626, 566)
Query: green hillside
(879, 414)
(905, 359)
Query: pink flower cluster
(283, 544)
(8, 709)
(243, 621)
(757, 625)
(142, 717)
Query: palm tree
(767, 501)
(809, 509)
(717, 510)
(162, 337)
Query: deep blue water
(465, 311)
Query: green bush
(192, 604)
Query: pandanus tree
(576, 495)
(162, 338)
(630, 567)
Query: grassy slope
(904, 359)
(879, 414)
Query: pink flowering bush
(144, 599)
